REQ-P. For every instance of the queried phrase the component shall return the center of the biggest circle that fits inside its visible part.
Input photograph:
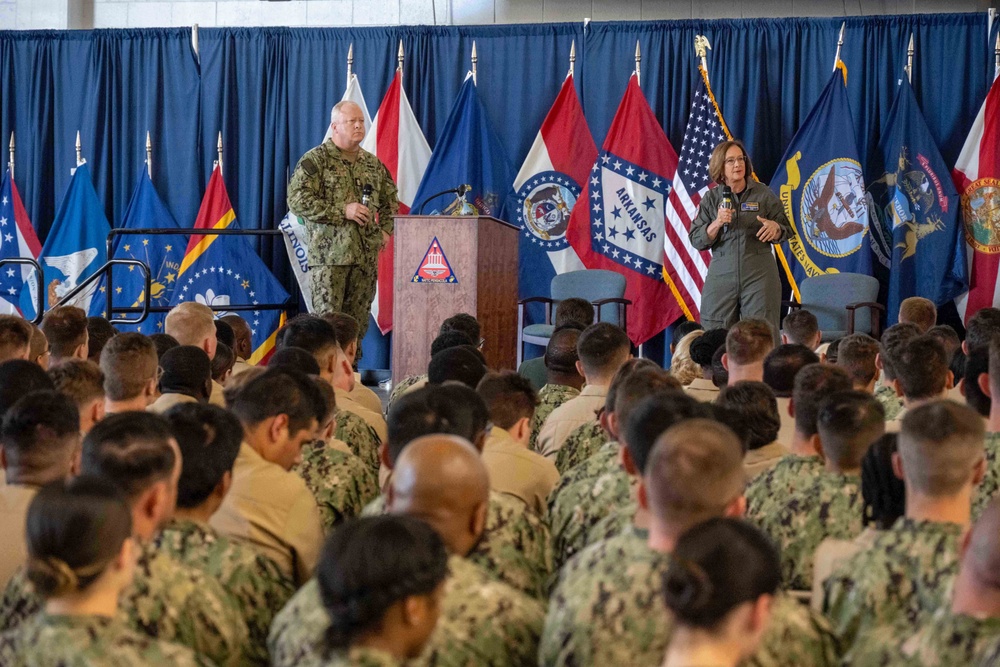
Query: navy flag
(821, 186)
(917, 211)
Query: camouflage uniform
(402, 387)
(891, 403)
(514, 547)
(358, 656)
(342, 254)
(608, 609)
(580, 445)
(254, 581)
(167, 600)
(483, 622)
(831, 506)
(990, 486)
(766, 493)
(360, 437)
(615, 523)
(88, 640)
(341, 483)
(902, 577)
(585, 495)
(550, 397)
(943, 640)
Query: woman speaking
(738, 221)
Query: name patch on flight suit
(750, 206)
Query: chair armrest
(618, 300)
(866, 304)
(876, 319)
(535, 299)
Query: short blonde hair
(682, 367)
(919, 311)
(717, 162)
(190, 323)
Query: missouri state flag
(822, 190)
(619, 224)
(916, 210)
(977, 177)
(161, 253)
(222, 271)
(550, 181)
(397, 140)
(17, 239)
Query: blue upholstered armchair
(605, 290)
(843, 303)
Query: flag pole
(909, 60)
(149, 155)
(572, 57)
(638, 61)
(475, 62)
(840, 44)
(996, 57)
(399, 59)
(219, 147)
(10, 158)
(350, 63)
(79, 149)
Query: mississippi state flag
(620, 224)
(977, 178)
(17, 239)
(396, 139)
(551, 179)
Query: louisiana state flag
(221, 271)
(822, 189)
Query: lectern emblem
(434, 268)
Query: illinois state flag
(977, 177)
(397, 140)
(916, 210)
(17, 239)
(550, 181)
(822, 189)
(620, 224)
(221, 271)
(161, 253)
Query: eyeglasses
(733, 161)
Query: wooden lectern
(445, 265)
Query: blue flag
(917, 213)
(822, 189)
(468, 151)
(76, 245)
(162, 254)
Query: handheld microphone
(366, 194)
(727, 198)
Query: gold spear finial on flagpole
(79, 149)
(638, 62)
(350, 62)
(572, 57)
(219, 148)
(909, 60)
(840, 44)
(149, 155)
(701, 49)
(475, 63)
(10, 157)
(399, 58)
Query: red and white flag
(977, 178)
(620, 223)
(553, 175)
(396, 139)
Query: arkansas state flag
(977, 177)
(396, 139)
(549, 183)
(17, 239)
(620, 224)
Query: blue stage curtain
(269, 91)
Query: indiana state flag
(221, 271)
(917, 211)
(822, 188)
(619, 224)
(468, 151)
(162, 254)
(76, 245)
(17, 239)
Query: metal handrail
(106, 267)
(40, 292)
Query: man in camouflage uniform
(831, 506)
(340, 481)
(885, 392)
(442, 480)
(905, 573)
(46, 639)
(607, 607)
(582, 443)
(562, 380)
(344, 234)
(990, 485)
(767, 493)
(964, 632)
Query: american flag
(17, 239)
(685, 268)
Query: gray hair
(335, 113)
